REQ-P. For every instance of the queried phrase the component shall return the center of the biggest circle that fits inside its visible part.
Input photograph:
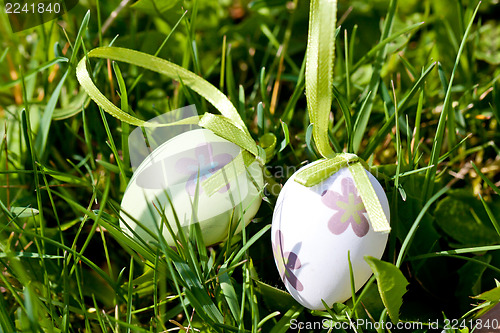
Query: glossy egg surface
(314, 229)
(175, 170)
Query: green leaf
(309, 142)
(492, 295)
(268, 142)
(43, 131)
(488, 48)
(470, 276)
(391, 285)
(22, 212)
(154, 7)
(275, 298)
(229, 293)
(286, 139)
(73, 108)
(455, 215)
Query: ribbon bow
(319, 87)
(229, 126)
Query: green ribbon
(319, 94)
(319, 69)
(229, 126)
(318, 172)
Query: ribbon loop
(224, 128)
(229, 126)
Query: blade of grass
(5, 322)
(438, 142)
(249, 243)
(353, 285)
(347, 58)
(399, 156)
(346, 111)
(125, 127)
(229, 293)
(241, 103)
(25, 115)
(416, 131)
(34, 72)
(4, 55)
(284, 323)
(411, 233)
(263, 89)
(437, 255)
(486, 179)
(230, 80)
(139, 77)
(129, 293)
(384, 42)
(298, 92)
(468, 250)
(43, 130)
(112, 146)
(364, 114)
(384, 130)
(223, 64)
(490, 215)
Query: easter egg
(314, 229)
(170, 179)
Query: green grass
(416, 95)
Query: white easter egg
(173, 171)
(313, 230)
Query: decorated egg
(168, 183)
(314, 229)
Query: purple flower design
(286, 262)
(202, 167)
(350, 209)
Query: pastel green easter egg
(167, 186)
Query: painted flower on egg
(287, 262)
(202, 167)
(349, 207)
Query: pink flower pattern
(349, 207)
(202, 167)
(287, 262)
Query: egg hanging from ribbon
(169, 182)
(314, 229)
